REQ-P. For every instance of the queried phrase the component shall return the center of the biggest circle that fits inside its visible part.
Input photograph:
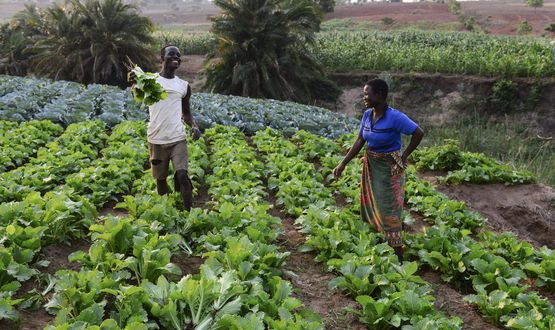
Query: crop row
(72, 151)
(67, 102)
(127, 278)
(21, 143)
(61, 214)
(416, 51)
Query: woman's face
(369, 98)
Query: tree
(16, 38)
(263, 51)
(534, 3)
(88, 41)
(326, 5)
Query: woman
(383, 174)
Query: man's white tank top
(165, 124)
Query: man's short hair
(163, 50)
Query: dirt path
(527, 210)
(311, 279)
(452, 304)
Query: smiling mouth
(175, 62)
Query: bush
(550, 27)
(524, 27)
(454, 6)
(503, 96)
(388, 21)
(327, 5)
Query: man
(166, 132)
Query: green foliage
(14, 153)
(65, 102)
(454, 6)
(466, 166)
(468, 22)
(85, 41)
(550, 27)
(188, 44)
(197, 302)
(503, 95)
(326, 5)
(445, 52)
(146, 89)
(68, 153)
(262, 51)
(523, 27)
(534, 3)
(12, 58)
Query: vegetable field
(89, 187)
(415, 51)
(66, 102)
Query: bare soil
(401, 12)
(524, 209)
(495, 17)
(57, 254)
(187, 264)
(527, 210)
(452, 304)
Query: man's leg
(185, 188)
(161, 186)
(159, 161)
(183, 184)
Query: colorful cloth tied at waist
(382, 194)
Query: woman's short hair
(379, 86)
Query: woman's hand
(196, 133)
(338, 170)
(404, 159)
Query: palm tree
(16, 37)
(263, 51)
(88, 41)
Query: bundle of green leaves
(146, 89)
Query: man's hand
(196, 133)
(338, 170)
(130, 74)
(131, 78)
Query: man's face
(172, 57)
